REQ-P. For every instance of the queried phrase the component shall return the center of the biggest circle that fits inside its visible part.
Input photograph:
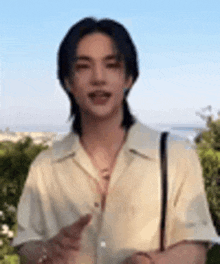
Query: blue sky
(178, 49)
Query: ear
(129, 81)
(67, 83)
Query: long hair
(67, 57)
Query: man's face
(97, 69)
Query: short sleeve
(29, 213)
(189, 215)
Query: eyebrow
(108, 57)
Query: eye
(82, 66)
(113, 65)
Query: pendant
(104, 170)
(107, 177)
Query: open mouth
(100, 99)
(96, 95)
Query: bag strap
(164, 185)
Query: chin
(103, 114)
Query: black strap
(164, 185)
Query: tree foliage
(208, 146)
(15, 160)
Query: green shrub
(15, 160)
(209, 153)
(10, 259)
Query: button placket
(97, 202)
(103, 244)
(101, 250)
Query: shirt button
(103, 244)
(96, 204)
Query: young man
(94, 197)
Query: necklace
(105, 173)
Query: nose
(98, 75)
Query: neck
(105, 134)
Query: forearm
(184, 253)
(30, 252)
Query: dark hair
(67, 54)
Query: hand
(138, 258)
(66, 244)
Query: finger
(73, 231)
(76, 229)
(129, 260)
(140, 258)
(84, 220)
(71, 256)
(58, 254)
(58, 239)
(137, 258)
(71, 244)
(54, 250)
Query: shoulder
(146, 139)
(181, 147)
(183, 161)
(147, 133)
(58, 149)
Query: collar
(141, 140)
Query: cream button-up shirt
(62, 186)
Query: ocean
(184, 130)
(189, 131)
